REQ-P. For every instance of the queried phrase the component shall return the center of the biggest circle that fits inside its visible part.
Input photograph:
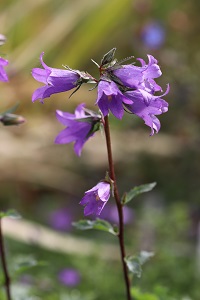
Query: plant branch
(119, 206)
(4, 265)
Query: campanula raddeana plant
(7, 118)
(121, 88)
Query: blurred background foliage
(45, 182)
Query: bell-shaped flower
(80, 127)
(111, 98)
(136, 77)
(151, 71)
(3, 75)
(147, 106)
(55, 80)
(96, 198)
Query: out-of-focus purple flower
(3, 75)
(55, 80)
(80, 127)
(69, 277)
(110, 213)
(111, 98)
(153, 35)
(146, 106)
(96, 198)
(61, 219)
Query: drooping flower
(80, 127)
(96, 198)
(69, 277)
(151, 71)
(3, 75)
(111, 98)
(135, 77)
(147, 106)
(55, 80)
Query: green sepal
(10, 213)
(108, 57)
(11, 110)
(127, 197)
(134, 263)
(98, 224)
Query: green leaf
(10, 213)
(98, 224)
(138, 295)
(127, 197)
(144, 256)
(134, 263)
(24, 263)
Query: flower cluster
(120, 88)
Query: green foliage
(98, 224)
(12, 213)
(22, 264)
(134, 263)
(127, 197)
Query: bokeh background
(44, 182)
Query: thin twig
(4, 265)
(119, 206)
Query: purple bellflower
(3, 75)
(111, 98)
(151, 71)
(80, 127)
(96, 198)
(139, 77)
(138, 85)
(55, 80)
(146, 106)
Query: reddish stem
(119, 206)
(4, 265)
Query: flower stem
(4, 265)
(119, 206)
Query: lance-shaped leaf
(127, 197)
(10, 213)
(98, 224)
(11, 110)
(134, 263)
